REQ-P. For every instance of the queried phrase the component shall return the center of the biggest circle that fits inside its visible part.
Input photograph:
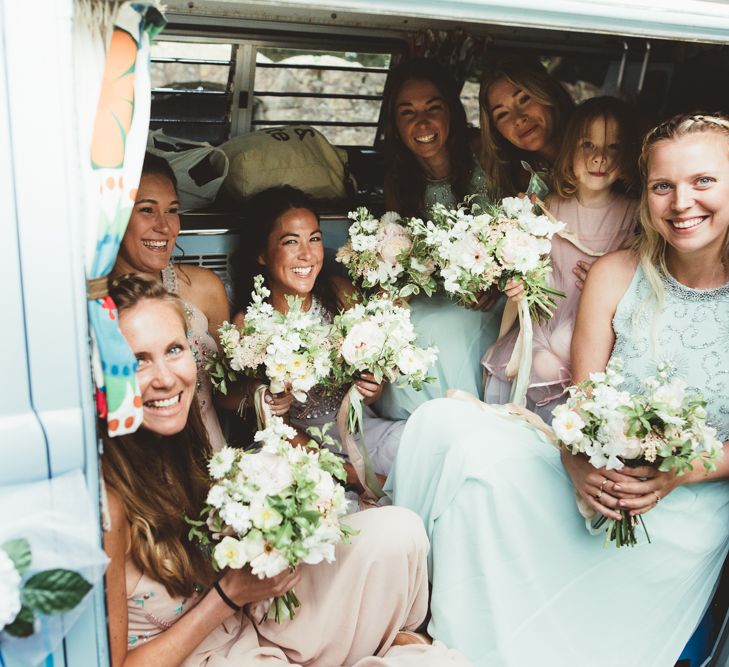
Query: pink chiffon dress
(598, 230)
(351, 609)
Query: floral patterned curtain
(117, 152)
(456, 49)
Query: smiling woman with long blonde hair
(536, 585)
(524, 111)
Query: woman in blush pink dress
(595, 166)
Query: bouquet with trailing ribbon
(477, 247)
(290, 350)
(383, 254)
(663, 426)
(272, 509)
(378, 337)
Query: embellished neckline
(692, 293)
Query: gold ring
(597, 497)
(604, 482)
(658, 498)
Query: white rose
(671, 394)
(520, 251)
(267, 470)
(363, 342)
(9, 590)
(567, 425)
(392, 247)
(229, 552)
(411, 361)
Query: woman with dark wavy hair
(428, 150)
(430, 160)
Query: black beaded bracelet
(225, 598)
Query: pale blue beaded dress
(518, 580)
(461, 335)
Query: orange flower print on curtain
(117, 151)
(116, 103)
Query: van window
(337, 92)
(192, 85)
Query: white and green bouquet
(378, 337)
(382, 254)
(290, 350)
(663, 426)
(475, 248)
(272, 509)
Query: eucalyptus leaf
(19, 552)
(55, 591)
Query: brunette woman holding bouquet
(431, 158)
(284, 243)
(519, 577)
(168, 607)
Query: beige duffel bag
(296, 155)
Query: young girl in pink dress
(594, 168)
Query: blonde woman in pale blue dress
(517, 578)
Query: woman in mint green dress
(518, 579)
(430, 160)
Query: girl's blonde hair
(650, 246)
(160, 480)
(501, 160)
(578, 128)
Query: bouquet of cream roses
(291, 350)
(273, 508)
(475, 249)
(377, 336)
(382, 253)
(663, 426)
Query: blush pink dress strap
(202, 344)
(600, 230)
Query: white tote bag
(199, 167)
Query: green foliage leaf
(54, 591)
(19, 552)
(22, 626)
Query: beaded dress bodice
(440, 191)
(319, 402)
(691, 333)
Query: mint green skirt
(461, 336)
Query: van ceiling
(684, 20)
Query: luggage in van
(296, 155)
